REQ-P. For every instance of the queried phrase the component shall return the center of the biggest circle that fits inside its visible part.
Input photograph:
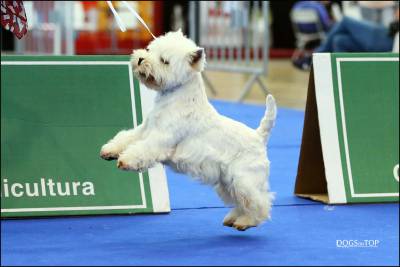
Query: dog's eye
(147, 49)
(164, 61)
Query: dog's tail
(268, 121)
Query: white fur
(185, 132)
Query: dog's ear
(197, 59)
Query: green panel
(121, 58)
(54, 120)
(370, 92)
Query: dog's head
(168, 61)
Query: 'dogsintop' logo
(348, 243)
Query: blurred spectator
(321, 10)
(311, 21)
(350, 35)
(334, 9)
(380, 12)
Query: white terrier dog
(185, 132)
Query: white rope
(138, 17)
(119, 21)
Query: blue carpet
(297, 235)
(302, 232)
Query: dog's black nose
(140, 60)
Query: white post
(69, 28)
(57, 39)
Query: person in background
(380, 12)
(351, 35)
(326, 18)
(321, 10)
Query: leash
(119, 21)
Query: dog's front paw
(109, 152)
(131, 164)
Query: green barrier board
(56, 113)
(353, 112)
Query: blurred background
(252, 47)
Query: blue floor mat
(297, 235)
(301, 232)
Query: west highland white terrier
(184, 131)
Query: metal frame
(255, 66)
(61, 26)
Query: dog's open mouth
(147, 78)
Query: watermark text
(348, 243)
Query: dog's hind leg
(226, 196)
(253, 201)
(231, 217)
